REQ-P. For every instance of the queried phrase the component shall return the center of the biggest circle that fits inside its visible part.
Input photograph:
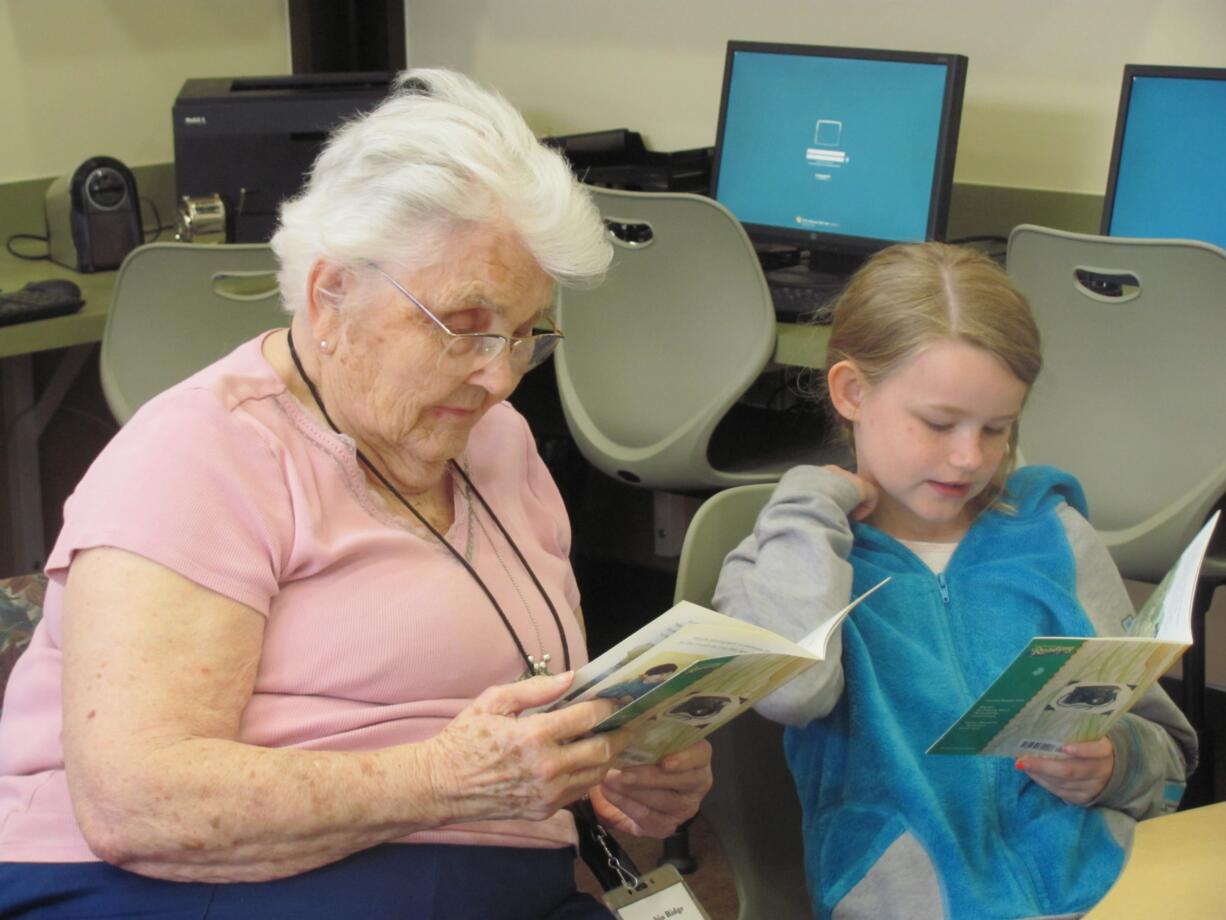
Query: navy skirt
(430, 881)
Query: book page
(1065, 688)
(697, 701)
(618, 659)
(817, 640)
(1167, 615)
(689, 671)
(1058, 690)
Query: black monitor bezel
(1131, 71)
(943, 167)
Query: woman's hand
(866, 487)
(492, 762)
(652, 801)
(1078, 778)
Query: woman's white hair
(439, 154)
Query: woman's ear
(327, 284)
(847, 387)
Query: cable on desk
(8, 244)
(158, 226)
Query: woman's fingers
(510, 699)
(493, 761)
(653, 800)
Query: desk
(23, 417)
(801, 346)
(1174, 870)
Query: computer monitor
(1168, 163)
(839, 151)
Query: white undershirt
(934, 555)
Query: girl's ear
(847, 387)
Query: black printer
(243, 144)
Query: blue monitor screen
(1168, 176)
(824, 142)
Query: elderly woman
(292, 600)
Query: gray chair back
(656, 356)
(1134, 375)
(753, 807)
(177, 307)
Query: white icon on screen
(827, 134)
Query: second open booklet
(1073, 688)
(689, 671)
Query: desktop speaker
(93, 216)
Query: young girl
(931, 355)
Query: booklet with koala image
(689, 671)
(1061, 689)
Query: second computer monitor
(1168, 163)
(838, 150)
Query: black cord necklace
(534, 667)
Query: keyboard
(39, 300)
(803, 302)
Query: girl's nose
(967, 453)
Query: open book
(1062, 689)
(689, 671)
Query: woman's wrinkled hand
(493, 762)
(1078, 778)
(864, 486)
(651, 801)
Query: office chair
(1130, 401)
(656, 358)
(753, 807)
(178, 307)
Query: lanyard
(534, 667)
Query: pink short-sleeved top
(375, 634)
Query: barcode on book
(1054, 748)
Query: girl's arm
(1155, 746)
(791, 574)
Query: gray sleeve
(1155, 746)
(790, 575)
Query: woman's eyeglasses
(466, 352)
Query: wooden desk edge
(1174, 869)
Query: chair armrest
(21, 607)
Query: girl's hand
(865, 487)
(653, 801)
(1080, 777)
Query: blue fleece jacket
(966, 837)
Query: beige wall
(80, 78)
(1042, 87)
(84, 77)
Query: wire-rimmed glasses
(470, 351)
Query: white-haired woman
(288, 611)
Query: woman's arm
(791, 574)
(157, 673)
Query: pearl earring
(323, 344)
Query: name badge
(661, 894)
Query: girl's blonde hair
(908, 297)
